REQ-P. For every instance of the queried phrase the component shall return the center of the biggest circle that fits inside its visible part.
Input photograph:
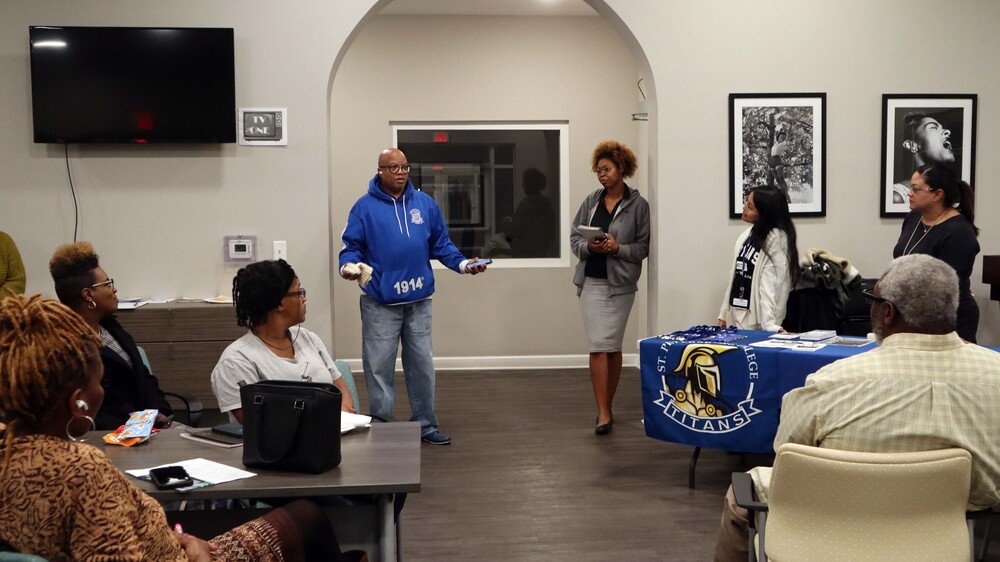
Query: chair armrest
(193, 403)
(743, 491)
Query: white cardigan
(772, 280)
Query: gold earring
(91, 304)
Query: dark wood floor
(526, 478)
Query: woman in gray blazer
(607, 275)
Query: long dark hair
(258, 288)
(772, 211)
(957, 193)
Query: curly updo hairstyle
(72, 267)
(621, 155)
(258, 288)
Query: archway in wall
(352, 128)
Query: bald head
(390, 155)
(393, 171)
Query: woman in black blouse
(942, 224)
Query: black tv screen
(132, 84)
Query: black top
(954, 242)
(597, 264)
(126, 388)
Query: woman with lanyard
(765, 264)
(607, 274)
(942, 224)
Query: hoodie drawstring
(395, 212)
(405, 222)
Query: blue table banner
(718, 395)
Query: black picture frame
(795, 164)
(906, 118)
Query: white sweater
(772, 280)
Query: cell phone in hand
(485, 261)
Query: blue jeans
(382, 328)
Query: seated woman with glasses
(82, 285)
(269, 302)
(65, 500)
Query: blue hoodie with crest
(398, 238)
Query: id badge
(741, 303)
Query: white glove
(366, 274)
(363, 270)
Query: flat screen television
(132, 84)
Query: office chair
(191, 402)
(828, 505)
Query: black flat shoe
(604, 428)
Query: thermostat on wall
(240, 248)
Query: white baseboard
(507, 362)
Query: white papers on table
(790, 344)
(590, 232)
(131, 304)
(202, 469)
(350, 422)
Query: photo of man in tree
(778, 150)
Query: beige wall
(575, 70)
(158, 214)
(853, 50)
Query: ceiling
(488, 8)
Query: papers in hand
(350, 422)
(590, 232)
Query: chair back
(826, 504)
(348, 376)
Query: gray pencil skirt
(604, 316)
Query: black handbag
(291, 425)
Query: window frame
(563, 260)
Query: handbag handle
(297, 409)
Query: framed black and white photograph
(922, 129)
(778, 140)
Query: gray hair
(924, 291)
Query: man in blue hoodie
(396, 230)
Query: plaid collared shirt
(915, 392)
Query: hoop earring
(80, 439)
(91, 304)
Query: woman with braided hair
(65, 500)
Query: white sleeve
(232, 368)
(325, 356)
(775, 282)
(726, 304)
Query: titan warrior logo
(692, 390)
(415, 216)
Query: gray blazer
(629, 227)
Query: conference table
(381, 461)
(722, 388)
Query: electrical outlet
(281, 250)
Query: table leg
(386, 527)
(694, 463)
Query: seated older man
(923, 388)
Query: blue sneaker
(436, 438)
